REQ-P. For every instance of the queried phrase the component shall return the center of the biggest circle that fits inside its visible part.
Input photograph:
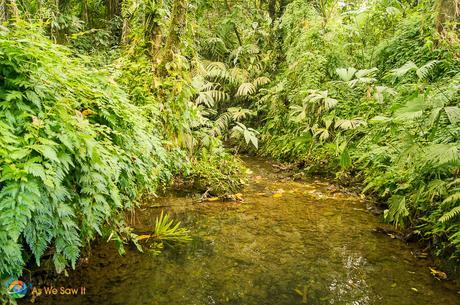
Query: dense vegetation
(372, 94)
(102, 102)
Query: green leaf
(455, 212)
(19, 154)
(36, 170)
(346, 74)
(453, 113)
(397, 211)
(46, 151)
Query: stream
(288, 243)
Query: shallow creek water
(307, 245)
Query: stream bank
(287, 243)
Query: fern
(403, 70)
(211, 97)
(397, 211)
(166, 230)
(453, 113)
(452, 198)
(412, 110)
(443, 154)
(424, 71)
(455, 212)
(76, 153)
(221, 123)
(261, 81)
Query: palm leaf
(246, 89)
(260, 81)
(346, 74)
(453, 113)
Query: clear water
(309, 246)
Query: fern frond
(450, 215)
(215, 65)
(239, 113)
(218, 71)
(424, 71)
(452, 198)
(221, 123)
(442, 154)
(239, 75)
(215, 46)
(412, 110)
(365, 73)
(403, 70)
(168, 230)
(211, 97)
(397, 211)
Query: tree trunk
(112, 8)
(60, 33)
(447, 11)
(85, 12)
(235, 29)
(153, 31)
(176, 28)
(282, 8)
(9, 10)
(125, 30)
(276, 9)
(272, 10)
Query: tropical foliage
(83, 138)
(74, 150)
(104, 101)
(370, 91)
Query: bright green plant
(217, 173)
(379, 101)
(167, 230)
(74, 151)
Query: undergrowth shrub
(74, 151)
(373, 105)
(217, 173)
(191, 130)
(413, 40)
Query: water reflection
(307, 246)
